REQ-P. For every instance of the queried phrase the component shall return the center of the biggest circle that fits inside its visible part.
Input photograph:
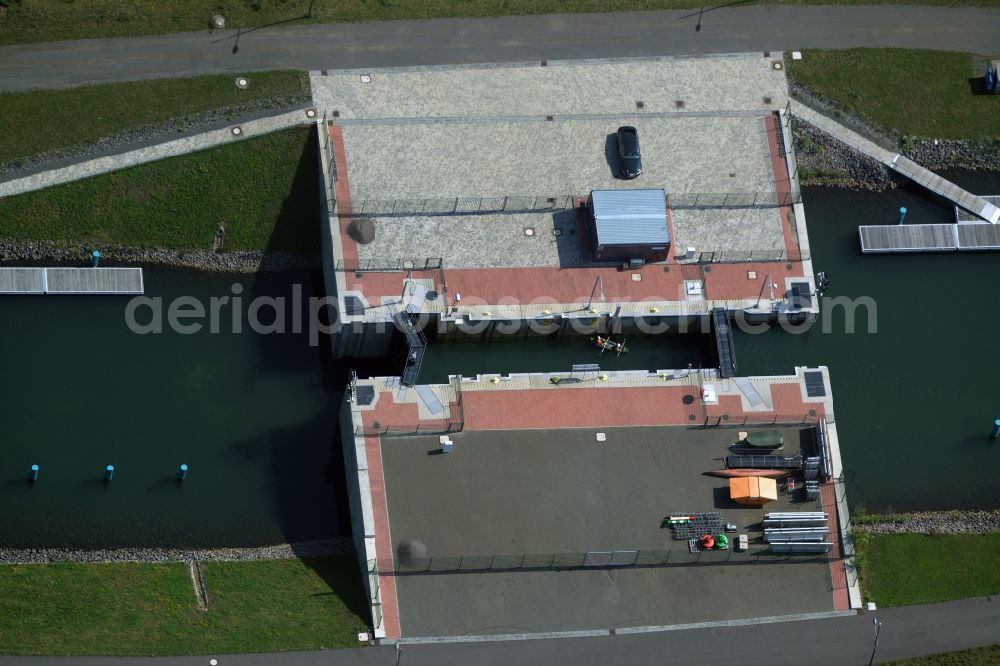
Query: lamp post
(767, 281)
(878, 627)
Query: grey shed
(629, 224)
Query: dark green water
(253, 416)
(532, 353)
(915, 401)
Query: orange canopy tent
(753, 490)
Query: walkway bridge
(902, 165)
(724, 343)
(416, 344)
(71, 281)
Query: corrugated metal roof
(630, 217)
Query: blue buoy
(182, 472)
(33, 473)
(95, 258)
(996, 429)
(902, 214)
(109, 472)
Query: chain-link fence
(554, 203)
(737, 256)
(680, 555)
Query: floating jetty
(71, 281)
(897, 238)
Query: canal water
(255, 416)
(915, 401)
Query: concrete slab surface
(548, 491)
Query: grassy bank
(904, 569)
(902, 91)
(25, 21)
(151, 609)
(264, 191)
(91, 112)
(985, 656)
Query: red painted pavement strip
(342, 191)
(782, 182)
(567, 407)
(383, 539)
(838, 572)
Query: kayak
(764, 439)
(607, 345)
(735, 473)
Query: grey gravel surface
(714, 154)
(659, 85)
(277, 552)
(937, 522)
(79, 254)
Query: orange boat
(736, 473)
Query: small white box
(796, 55)
(601, 437)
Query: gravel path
(35, 252)
(182, 146)
(283, 551)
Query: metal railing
(771, 199)
(555, 203)
(679, 555)
(396, 265)
(738, 256)
(461, 205)
(792, 420)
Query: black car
(629, 159)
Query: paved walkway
(898, 163)
(188, 144)
(516, 38)
(839, 641)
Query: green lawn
(986, 656)
(91, 112)
(264, 190)
(909, 92)
(904, 569)
(40, 20)
(150, 609)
